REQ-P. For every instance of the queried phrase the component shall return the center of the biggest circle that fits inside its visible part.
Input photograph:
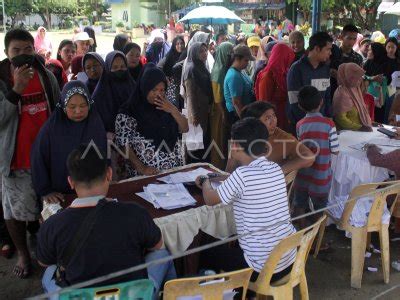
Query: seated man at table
(257, 190)
(319, 134)
(108, 235)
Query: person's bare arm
(237, 104)
(210, 195)
(304, 159)
(165, 105)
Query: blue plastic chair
(133, 290)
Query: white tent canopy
(394, 10)
(385, 5)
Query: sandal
(22, 272)
(7, 250)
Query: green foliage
(120, 24)
(354, 10)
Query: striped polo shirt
(319, 135)
(259, 198)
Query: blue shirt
(237, 84)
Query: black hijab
(196, 69)
(120, 41)
(92, 83)
(153, 124)
(91, 33)
(136, 70)
(172, 57)
(58, 137)
(111, 93)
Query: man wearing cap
(83, 42)
(238, 86)
(253, 42)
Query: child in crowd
(318, 133)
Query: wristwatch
(202, 179)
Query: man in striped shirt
(257, 191)
(318, 133)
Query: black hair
(87, 165)
(17, 34)
(319, 39)
(252, 135)
(221, 33)
(309, 98)
(256, 109)
(62, 45)
(350, 28)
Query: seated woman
(93, 65)
(114, 88)
(394, 114)
(74, 122)
(284, 149)
(349, 109)
(150, 126)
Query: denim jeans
(159, 273)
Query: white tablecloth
(350, 169)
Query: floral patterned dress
(126, 133)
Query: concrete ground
(328, 276)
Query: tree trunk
(44, 19)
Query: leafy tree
(15, 8)
(361, 12)
(44, 8)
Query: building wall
(136, 11)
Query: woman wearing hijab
(93, 65)
(135, 60)
(91, 33)
(167, 64)
(378, 73)
(202, 37)
(42, 43)
(198, 91)
(158, 47)
(271, 81)
(55, 67)
(349, 109)
(218, 118)
(120, 41)
(113, 89)
(73, 123)
(150, 126)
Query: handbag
(77, 243)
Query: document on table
(385, 144)
(183, 177)
(167, 196)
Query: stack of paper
(183, 177)
(167, 196)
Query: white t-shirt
(259, 197)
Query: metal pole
(316, 16)
(4, 16)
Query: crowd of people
(143, 101)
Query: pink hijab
(42, 43)
(349, 93)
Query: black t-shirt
(120, 236)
